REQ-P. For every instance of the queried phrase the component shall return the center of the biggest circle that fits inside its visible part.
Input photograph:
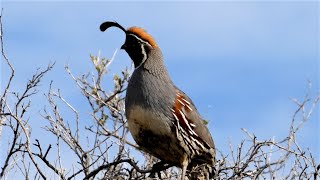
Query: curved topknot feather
(104, 26)
(143, 35)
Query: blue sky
(239, 61)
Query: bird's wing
(187, 116)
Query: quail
(162, 119)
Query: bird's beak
(123, 46)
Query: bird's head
(138, 42)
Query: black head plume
(104, 26)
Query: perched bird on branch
(162, 119)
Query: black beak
(123, 46)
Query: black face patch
(131, 40)
(135, 47)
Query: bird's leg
(184, 170)
(184, 164)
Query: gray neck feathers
(150, 85)
(154, 64)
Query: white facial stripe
(144, 57)
(141, 40)
(142, 49)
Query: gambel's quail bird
(162, 119)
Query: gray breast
(150, 92)
(149, 101)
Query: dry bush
(104, 149)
